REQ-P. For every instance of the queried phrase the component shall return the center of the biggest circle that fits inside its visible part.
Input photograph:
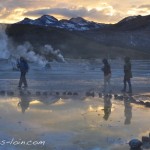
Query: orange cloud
(101, 11)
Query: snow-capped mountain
(78, 23)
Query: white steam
(8, 51)
(26, 50)
(56, 53)
(4, 52)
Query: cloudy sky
(103, 11)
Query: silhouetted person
(24, 101)
(107, 75)
(23, 66)
(127, 111)
(107, 107)
(127, 75)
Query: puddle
(71, 124)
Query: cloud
(145, 6)
(4, 13)
(96, 10)
(92, 14)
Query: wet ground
(71, 122)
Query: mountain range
(78, 23)
(80, 38)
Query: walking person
(127, 75)
(107, 75)
(23, 66)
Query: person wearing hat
(107, 75)
(127, 75)
(23, 67)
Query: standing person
(107, 75)
(127, 75)
(23, 66)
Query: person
(23, 66)
(127, 75)
(24, 101)
(107, 75)
(107, 107)
(127, 111)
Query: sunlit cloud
(108, 11)
(7, 16)
(142, 10)
(145, 6)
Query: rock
(64, 93)
(10, 93)
(90, 94)
(38, 93)
(45, 93)
(120, 97)
(147, 104)
(110, 96)
(115, 96)
(19, 122)
(100, 95)
(75, 94)
(136, 102)
(145, 139)
(28, 92)
(57, 93)
(141, 103)
(132, 99)
(69, 93)
(2, 93)
(135, 144)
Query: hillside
(112, 41)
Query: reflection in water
(127, 111)
(107, 106)
(24, 101)
(65, 123)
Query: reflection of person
(127, 111)
(107, 75)
(127, 75)
(107, 107)
(23, 66)
(24, 102)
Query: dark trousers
(23, 79)
(127, 80)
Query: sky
(102, 11)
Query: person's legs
(107, 83)
(21, 80)
(24, 79)
(130, 86)
(125, 84)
